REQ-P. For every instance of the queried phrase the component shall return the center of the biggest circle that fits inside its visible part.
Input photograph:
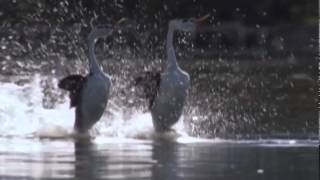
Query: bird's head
(105, 30)
(126, 25)
(119, 23)
(187, 25)
(100, 31)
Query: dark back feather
(73, 84)
(150, 81)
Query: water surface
(185, 158)
(243, 120)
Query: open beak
(201, 19)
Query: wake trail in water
(22, 114)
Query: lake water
(184, 158)
(35, 144)
(243, 120)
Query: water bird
(89, 94)
(167, 91)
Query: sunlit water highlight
(22, 114)
(37, 143)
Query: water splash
(22, 114)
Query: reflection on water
(158, 159)
(87, 162)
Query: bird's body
(167, 91)
(171, 96)
(92, 101)
(89, 95)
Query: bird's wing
(73, 84)
(150, 81)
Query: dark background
(235, 28)
(74, 11)
(253, 64)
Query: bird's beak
(117, 24)
(201, 19)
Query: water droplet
(8, 57)
(195, 118)
(165, 7)
(260, 171)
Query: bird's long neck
(93, 64)
(171, 56)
